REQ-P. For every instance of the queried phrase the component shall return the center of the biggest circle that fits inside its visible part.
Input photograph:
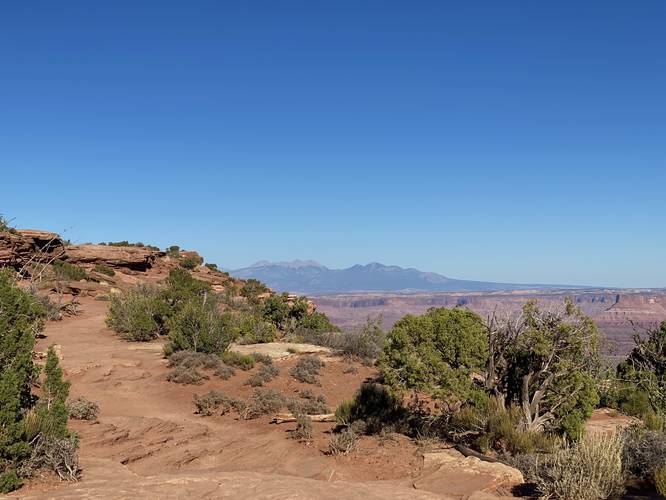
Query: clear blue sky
(498, 140)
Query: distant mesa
(310, 277)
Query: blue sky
(510, 141)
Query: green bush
(69, 272)
(138, 315)
(185, 375)
(437, 353)
(104, 269)
(235, 359)
(190, 262)
(377, 407)
(9, 480)
(493, 427)
(199, 327)
(252, 289)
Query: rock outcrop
(133, 258)
(449, 473)
(21, 246)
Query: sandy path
(147, 427)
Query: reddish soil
(147, 425)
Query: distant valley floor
(613, 310)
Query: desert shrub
(590, 468)
(264, 402)
(83, 409)
(264, 359)
(224, 372)
(645, 367)
(308, 404)
(66, 271)
(350, 370)
(491, 426)
(5, 224)
(343, 442)
(364, 344)
(173, 251)
(182, 288)
(276, 310)
(52, 309)
(252, 289)
(104, 269)
(266, 373)
(198, 326)
(376, 406)
(307, 369)
(212, 267)
(103, 297)
(137, 315)
(190, 359)
(660, 480)
(644, 451)
(317, 323)
(54, 453)
(251, 328)
(9, 480)
(184, 375)
(190, 262)
(303, 431)
(213, 401)
(238, 360)
(343, 412)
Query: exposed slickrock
(135, 258)
(450, 473)
(236, 485)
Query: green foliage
(138, 315)
(251, 328)
(491, 426)
(436, 353)
(126, 243)
(21, 318)
(52, 409)
(104, 269)
(375, 406)
(5, 224)
(190, 262)
(9, 480)
(198, 326)
(252, 289)
(69, 272)
(173, 251)
(183, 287)
(242, 361)
(645, 367)
(276, 310)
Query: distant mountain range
(310, 277)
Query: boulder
(448, 472)
(134, 258)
